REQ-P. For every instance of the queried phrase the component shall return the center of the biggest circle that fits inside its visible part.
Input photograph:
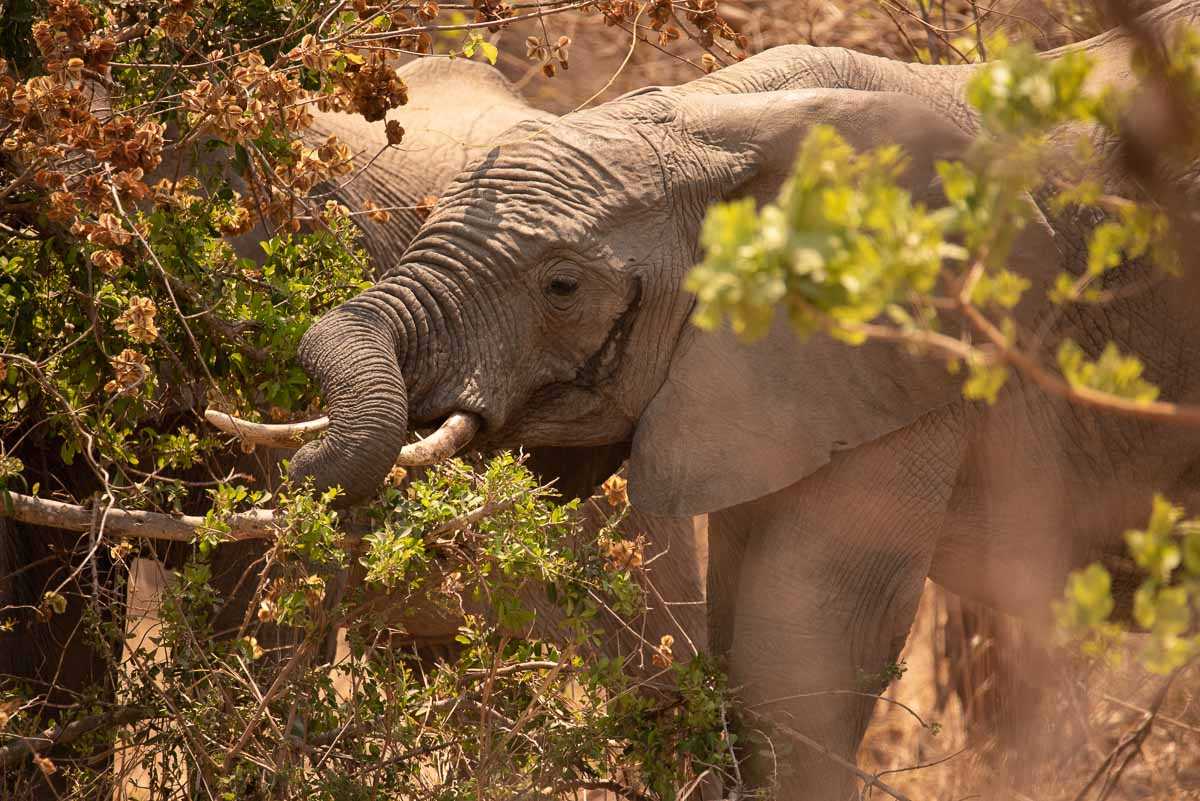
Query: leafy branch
(845, 251)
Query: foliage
(843, 242)
(846, 252)
(124, 310)
(1112, 373)
(1168, 551)
(247, 715)
(168, 236)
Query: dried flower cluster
(541, 50)
(712, 25)
(130, 370)
(61, 136)
(626, 554)
(664, 656)
(74, 136)
(138, 320)
(664, 19)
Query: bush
(137, 142)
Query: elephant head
(544, 299)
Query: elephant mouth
(578, 411)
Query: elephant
(542, 303)
(442, 136)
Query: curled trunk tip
(354, 356)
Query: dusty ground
(1054, 748)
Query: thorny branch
(1123, 753)
(868, 779)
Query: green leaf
(1191, 547)
(841, 244)
(54, 602)
(1173, 612)
(1088, 597)
(475, 41)
(984, 380)
(1168, 652)
(1022, 92)
(10, 467)
(1144, 605)
(490, 52)
(1111, 373)
(1154, 549)
(1001, 288)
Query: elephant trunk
(354, 353)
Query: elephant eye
(562, 286)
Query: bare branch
(23, 747)
(868, 779)
(256, 524)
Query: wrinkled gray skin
(458, 109)
(545, 295)
(442, 136)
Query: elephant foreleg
(831, 572)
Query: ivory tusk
(285, 435)
(449, 439)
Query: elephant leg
(726, 549)
(831, 572)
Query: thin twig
(22, 747)
(1128, 746)
(872, 696)
(868, 779)
(1179, 724)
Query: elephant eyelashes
(561, 291)
(562, 286)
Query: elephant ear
(735, 421)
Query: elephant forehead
(586, 172)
